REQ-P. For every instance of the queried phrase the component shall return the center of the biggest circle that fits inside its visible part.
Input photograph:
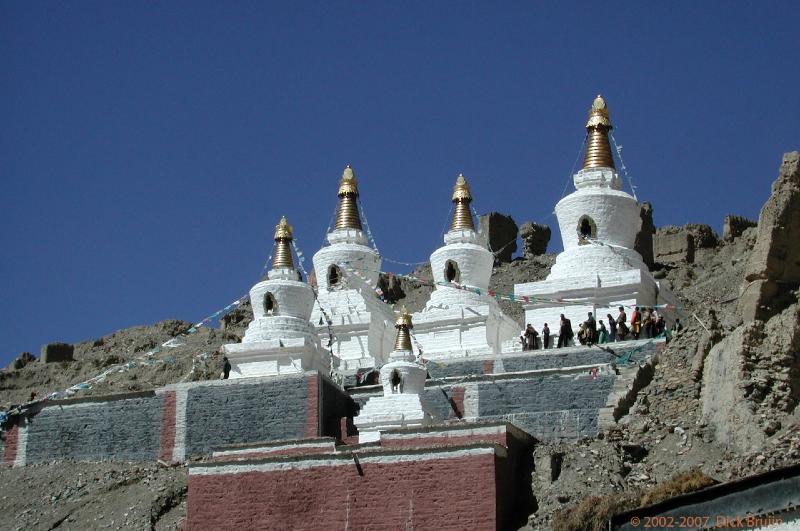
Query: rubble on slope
(108, 495)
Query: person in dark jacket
(531, 337)
(612, 328)
(546, 336)
(591, 329)
(622, 328)
(226, 368)
(565, 333)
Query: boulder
(773, 268)
(644, 238)
(535, 238)
(54, 352)
(501, 234)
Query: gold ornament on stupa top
(282, 255)
(347, 216)
(598, 148)
(403, 325)
(462, 214)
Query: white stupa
(403, 379)
(462, 322)
(599, 269)
(359, 321)
(280, 339)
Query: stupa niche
(459, 322)
(360, 322)
(598, 270)
(279, 339)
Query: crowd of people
(645, 323)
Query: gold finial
(347, 216)
(282, 255)
(598, 149)
(403, 325)
(462, 215)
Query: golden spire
(462, 215)
(403, 325)
(282, 256)
(347, 216)
(598, 150)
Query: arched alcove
(334, 277)
(270, 304)
(587, 228)
(451, 272)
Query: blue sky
(148, 149)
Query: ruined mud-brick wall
(441, 488)
(178, 421)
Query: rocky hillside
(721, 403)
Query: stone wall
(229, 414)
(178, 421)
(125, 427)
(552, 406)
(546, 359)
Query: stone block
(501, 232)
(535, 237)
(674, 247)
(54, 352)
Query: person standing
(602, 334)
(636, 323)
(226, 368)
(646, 323)
(530, 337)
(655, 318)
(612, 328)
(591, 326)
(533, 337)
(622, 328)
(546, 336)
(565, 333)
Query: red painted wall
(423, 441)
(443, 494)
(10, 450)
(312, 421)
(167, 427)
